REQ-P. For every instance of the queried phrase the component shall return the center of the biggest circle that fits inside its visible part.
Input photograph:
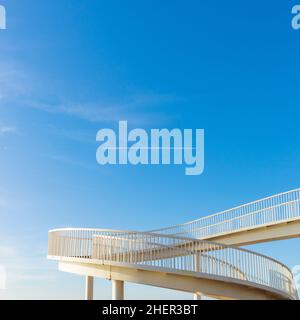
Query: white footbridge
(202, 257)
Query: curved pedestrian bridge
(182, 257)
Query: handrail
(277, 208)
(244, 205)
(170, 252)
(170, 236)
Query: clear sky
(69, 68)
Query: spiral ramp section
(202, 257)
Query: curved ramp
(272, 218)
(172, 262)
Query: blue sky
(69, 69)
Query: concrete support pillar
(197, 296)
(89, 288)
(117, 290)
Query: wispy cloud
(84, 136)
(19, 87)
(14, 83)
(6, 130)
(21, 264)
(70, 161)
(3, 205)
(137, 108)
(7, 251)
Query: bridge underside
(265, 233)
(218, 287)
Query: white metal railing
(271, 210)
(170, 252)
